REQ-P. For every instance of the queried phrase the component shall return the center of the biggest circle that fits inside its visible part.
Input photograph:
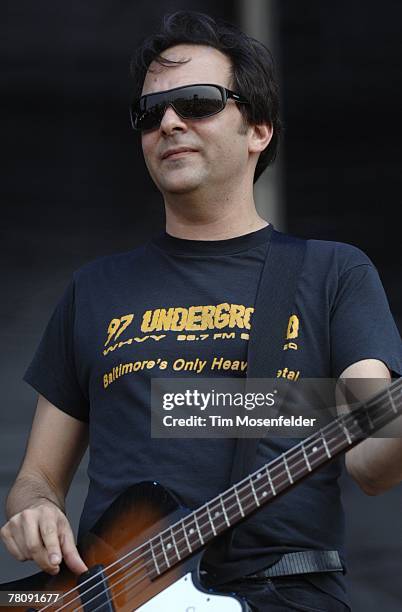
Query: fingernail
(54, 559)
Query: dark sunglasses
(189, 102)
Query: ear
(260, 137)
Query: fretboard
(210, 520)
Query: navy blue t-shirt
(177, 307)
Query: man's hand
(43, 534)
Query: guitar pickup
(94, 590)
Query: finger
(70, 553)
(18, 536)
(35, 545)
(50, 538)
(11, 544)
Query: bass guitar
(144, 553)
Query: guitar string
(314, 438)
(131, 585)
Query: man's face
(219, 144)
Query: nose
(172, 122)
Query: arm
(37, 527)
(376, 463)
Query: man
(209, 125)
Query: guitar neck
(236, 503)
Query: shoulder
(331, 266)
(341, 255)
(103, 268)
(332, 257)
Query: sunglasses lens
(198, 102)
(192, 102)
(149, 112)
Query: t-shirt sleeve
(362, 326)
(52, 371)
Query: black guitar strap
(274, 304)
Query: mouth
(177, 153)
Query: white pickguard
(183, 596)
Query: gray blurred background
(75, 187)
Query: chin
(183, 188)
(179, 186)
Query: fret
(345, 431)
(185, 537)
(371, 424)
(271, 484)
(224, 511)
(287, 469)
(238, 501)
(254, 493)
(326, 447)
(306, 459)
(190, 531)
(164, 551)
(217, 514)
(205, 520)
(392, 402)
(198, 528)
(173, 538)
(153, 557)
(169, 545)
(211, 521)
(358, 419)
(314, 450)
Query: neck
(213, 217)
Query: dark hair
(252, 67)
